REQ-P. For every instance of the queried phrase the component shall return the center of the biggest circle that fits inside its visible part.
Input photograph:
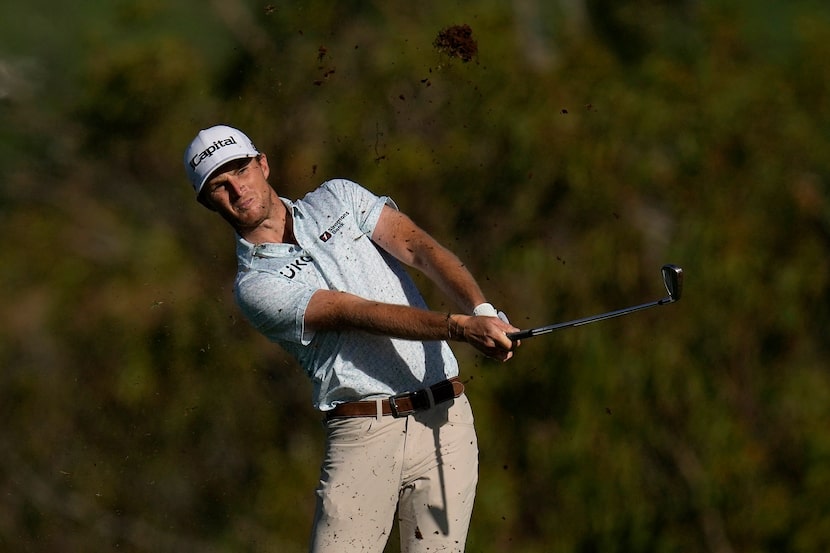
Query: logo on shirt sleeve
(335, 228)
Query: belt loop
(430, 397)
(379, 404)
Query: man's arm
(398, 235)
(330, 310)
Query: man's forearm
(400, 236)
(447, 271)
(340, 311)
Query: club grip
(521, 335)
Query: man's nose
(236, 185)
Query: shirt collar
(247, 251)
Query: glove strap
(485, 310)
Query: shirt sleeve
(275, 306)
(365, 205)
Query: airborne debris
(457, 42)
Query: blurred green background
(588, 143)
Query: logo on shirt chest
(295, 267)
(335, 228)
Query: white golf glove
(487, 310)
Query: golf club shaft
(530, 333)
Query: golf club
(672, 279)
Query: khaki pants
(425, 465)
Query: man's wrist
(455, 328)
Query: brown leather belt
(401, 405)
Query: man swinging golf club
(323, 277)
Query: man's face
(239, 192)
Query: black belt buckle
(393, 405)
(420, 399)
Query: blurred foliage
(585, 144)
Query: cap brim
(219, 165)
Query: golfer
(323, 277)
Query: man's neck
(277, 228)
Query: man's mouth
(244, 204)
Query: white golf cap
(213, 147)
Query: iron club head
(673, 279)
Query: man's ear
(263, 162)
